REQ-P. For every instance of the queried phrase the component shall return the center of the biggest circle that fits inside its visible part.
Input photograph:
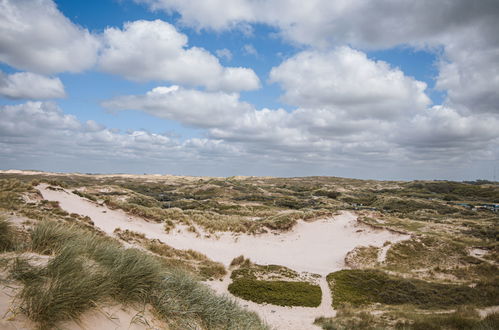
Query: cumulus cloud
(155, 50)
(384, 23)
(348, 109)
(39, 133)
(465, 30)
(27, 85)
(36, 36)
(346, 79)
(440, 127)
(190, 107)
(469, 74)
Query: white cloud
(39, 134)
(224, 53)
(444, 128)
(27, 85)
(337, 22)
(36, 36)
(249, 49)
(465, 30)
(216, 14)
(347, 80)
(155, 50)
(469, 74)
(190, 107)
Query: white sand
(316, 247)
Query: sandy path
(382, 253)
(316, 247)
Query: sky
(391, 90)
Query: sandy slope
(317, 247)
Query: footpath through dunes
(316, 247)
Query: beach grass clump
(7, 236)
(364, 287)
(11, 191)
(88, 269)
(282, 293)
(184, 302)
(63, 290)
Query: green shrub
(283, 293)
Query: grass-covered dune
(364, 287)
(87, 268)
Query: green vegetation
(363, 287)
(283, 293)
(462, 319)
(88, 268)
(272, 284)
(456, 320)
(445, 232)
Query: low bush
(283, 293)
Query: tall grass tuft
(185, 303)
(7, 236)
(66, 289)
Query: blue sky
(250, 88)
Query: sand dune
(316, 247)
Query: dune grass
(463, 318)
(456, 320)
(7, 233)
(189, 260)
(88, 269)
(363, 287)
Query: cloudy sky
(366, 89)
